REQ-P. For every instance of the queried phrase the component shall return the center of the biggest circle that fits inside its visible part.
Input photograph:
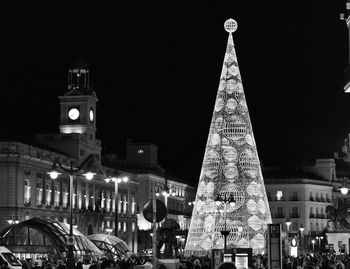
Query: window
(119, 225)
(279, 211)
(48, 193)
(140, 151)
(39, 194)
(113, 203)
(295, 212)
(279, 195)
(133, 226)
(133, 205)
(64, 196)
(108, 202)
(125, 203)
(103, 199)
(26, 191)
(82, 152)
(56, 196)
(294, 196)
(74, 197)
(119, 205)
(124, 226)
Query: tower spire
(230, 168)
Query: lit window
(119, 205)
(56, 196)
(108, 201)
(124, 226)
(26, 191)
(140, 151)
(124, 204)
(119, 225)
(39, 193)
(103, 200)
(64, 196)
(133, 227)
(133, 205)
(279, 195)
(48, 194)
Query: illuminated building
(27, 191)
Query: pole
(116, 208)
(70, 254)
(225, 236)
(154, 238)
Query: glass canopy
(47, 237)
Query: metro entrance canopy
(45, 236)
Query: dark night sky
(156, 72)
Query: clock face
(73, 114)
(91, 115)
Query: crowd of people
(309, 261)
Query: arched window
(39, 193)
(26, 191)
(56, 196)
(64, 196)
(48, 192)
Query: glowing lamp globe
(89, 175)
(344, 190)
(54, 174)
(125, 179)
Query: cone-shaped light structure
(230, 167)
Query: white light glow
(125, 179)
(344, 190)
(89, 175)
(54, 174)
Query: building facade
(27, 191)
(143, 162)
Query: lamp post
(313, 244)
(319, 238)
(72, 171)
(301, 236)
(225, 200)
(116, 205)
(166, 192)
(288, 223)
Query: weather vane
(230, 25)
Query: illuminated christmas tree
(231, 168)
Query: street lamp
(166, 192)
(116, 180)
(72, 171)
(319, 238)
(301, 242)
(13, 220)
(224, 199)
(288, 223)
(313, 244)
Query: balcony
(294, 198)
(312, 216)
(320, 216)
(294, 216)
(279, 216)
(312, 199)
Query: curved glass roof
(111, 245)
(45, 236)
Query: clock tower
(78, 105)
(77, 136)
